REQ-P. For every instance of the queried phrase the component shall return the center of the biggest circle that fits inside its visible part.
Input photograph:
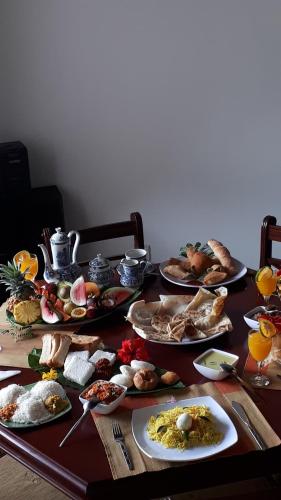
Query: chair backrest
(132, 227)
(270, 232)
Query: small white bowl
(102, 408)
(249, 317)
(212, 373)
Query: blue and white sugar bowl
(100, 270)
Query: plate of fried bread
(208, 265)
(181, 319)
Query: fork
(119, 438)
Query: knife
(239, 410)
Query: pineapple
(19, 288)
(27, 312)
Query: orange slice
(264, 273)
(267, 328)
(79, 312)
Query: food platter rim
(181, 344)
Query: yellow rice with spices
(163, 429)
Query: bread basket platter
(195, 283)
(181, 320)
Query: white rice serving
(10, 394)
(30, 404)
(46, 388)
(30, 409)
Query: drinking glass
(259, 348)
(266, 281)
(32, 268)
(28, 263)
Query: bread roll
(223, 254)
(170, 378)
(145, 380)
(199, 262)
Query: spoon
(233, 372)
(87, 406)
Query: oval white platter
(241, 271)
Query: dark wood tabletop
(81, 469)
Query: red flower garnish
(132, 349)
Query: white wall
(168, 107)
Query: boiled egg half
(184, 422)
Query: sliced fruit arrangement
(56, 303)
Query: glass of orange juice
(27, 263)
(32, 270)
(266, 281)
(259, 348)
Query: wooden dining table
(81, 469)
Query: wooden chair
(270, 232)
(132, 227)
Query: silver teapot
(64, 266)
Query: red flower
(132, 349)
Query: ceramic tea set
(64, 267)
(131, 269)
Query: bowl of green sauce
(208, 363)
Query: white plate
(184, 342)
(155, 450)
(241, 271)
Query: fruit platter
(59, 304)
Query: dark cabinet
(23, 218)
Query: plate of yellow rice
(159, 434)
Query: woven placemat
(223, 393)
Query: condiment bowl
(103, 408)
(215, 372)
(249, 317)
